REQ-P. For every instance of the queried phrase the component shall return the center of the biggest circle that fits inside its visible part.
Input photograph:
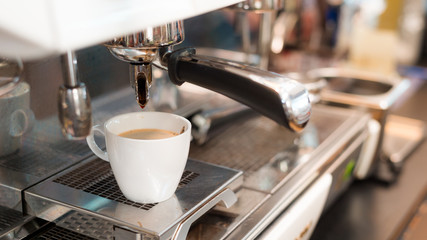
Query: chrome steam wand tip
(74, 108)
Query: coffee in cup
(147, 152)
(147, 134)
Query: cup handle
(92, 144)
(18, 128)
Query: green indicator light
(349, 170)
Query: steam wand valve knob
(74, 108)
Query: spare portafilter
(281, 99)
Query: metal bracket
(227, 196)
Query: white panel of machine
(34, 29)
(299, 221)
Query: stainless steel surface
(275, 205)
(266, 13)
(205, 120)
(97, 178)
(43, 153)
(86, 224)
(62, 233)
(264, 38)
(141, 79)
(314, 86)
(282, 28)
(9, 218)
(165, 96)
(126, 234)
(234, 146)
(260, 43)
(70, 69)
(401, 136)
(369, 91)
(74, 111)
(74, 108)
(44, 150)
(142, 47)
(22, 229)
(277, 172)
(268, 169)
(264, 172)
(141, 50)
(226, 196)
(234, 56)
(96, 193)
(360, 88)
(259, 5)
(242, 146)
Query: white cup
(147, 171)
(16, 118)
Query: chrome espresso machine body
(265, 174)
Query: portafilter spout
(141, 49)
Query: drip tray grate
(45, 151)
(246, 146)
(87, 225)
(9, 217)
(95, 194)
(96, 177)
(56, 233)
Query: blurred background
(378, 35)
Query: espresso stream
(148, 134)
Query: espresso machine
(264, 163)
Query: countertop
(373, 210)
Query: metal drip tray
(56, 232)
(90, 190)
(274, 167)
(96, 177)
(278, 167)
(44, 152)
(9, 218)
